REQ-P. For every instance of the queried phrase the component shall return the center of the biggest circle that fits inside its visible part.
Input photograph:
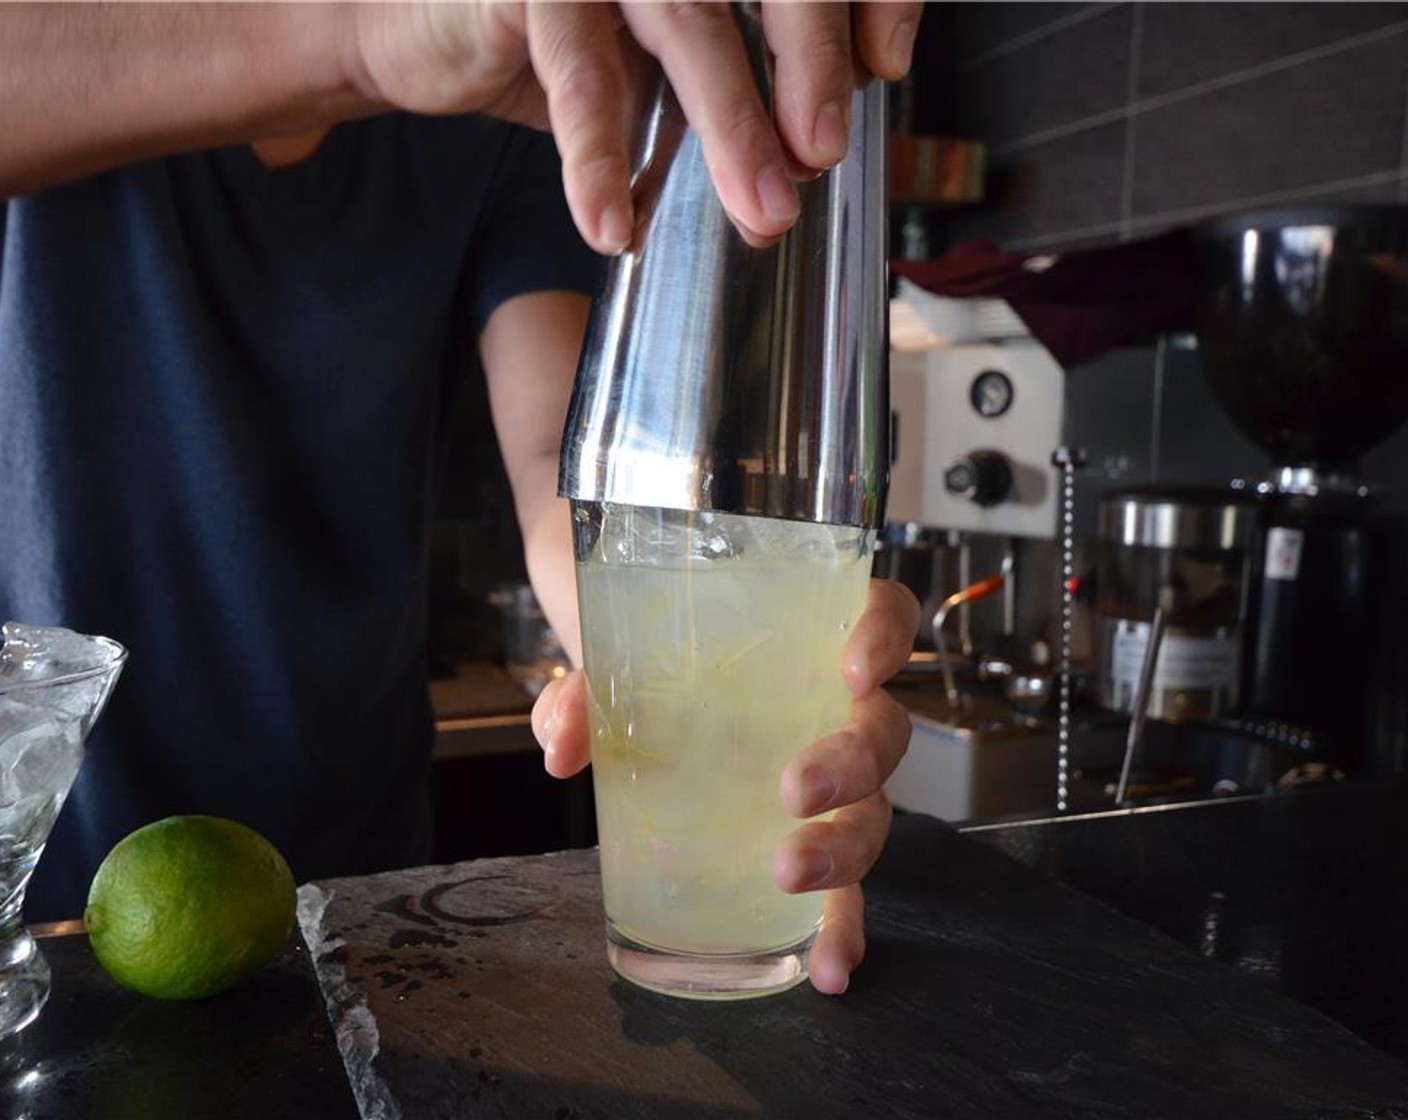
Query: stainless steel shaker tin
(717, 376)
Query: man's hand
(577, 68)
(87, 87)
(845, 771)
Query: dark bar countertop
(99, 1052)
(1306, 893)
(990, 990)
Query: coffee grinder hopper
(1302, 323)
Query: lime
(188, 907)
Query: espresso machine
(971, 483)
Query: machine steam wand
(1135, 738)
(970, 594)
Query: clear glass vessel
(713, 648)
(53, 686)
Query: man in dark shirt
(236, 290)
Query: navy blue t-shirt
(222, 399)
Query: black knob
(984, 477)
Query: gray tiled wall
(1107, 122)
(1112, 122)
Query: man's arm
(87, 87)
(529, 348)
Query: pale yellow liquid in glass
(706, 679)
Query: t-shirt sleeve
(526, 240)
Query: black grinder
(1302, 324)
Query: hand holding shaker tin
(726, 455)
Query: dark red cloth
(1079, 304)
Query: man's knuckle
(586, 84)
(827, 56)
(708, 17)
(597, 167)
(740, 119)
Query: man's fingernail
(816, 866)
(615, 230)
(901, 45)
(549, 726)
(818, 790)
(777, 195)
(829, 132)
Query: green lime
(188, 907)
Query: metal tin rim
(1178, 518)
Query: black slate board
(481, 990)
(99, 1052)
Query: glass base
(24, 982)
(714, 976)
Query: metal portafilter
(717, 376)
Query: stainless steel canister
(1189, 549)
(718, 376)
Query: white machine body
(959, 412)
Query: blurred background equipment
(1272, 594)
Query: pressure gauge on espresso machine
(991, 393)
